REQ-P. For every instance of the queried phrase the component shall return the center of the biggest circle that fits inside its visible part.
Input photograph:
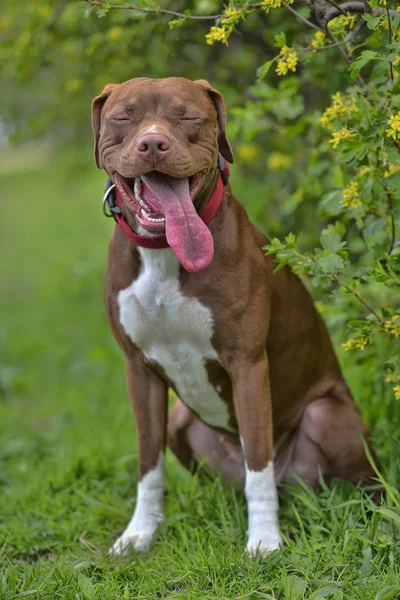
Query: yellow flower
(340, 107)
(114, 34)
(232, 12)
(232, 16)
(364, 171)
(389, 379)
(394, 129)
(319, 40)
(338, 24)
(44, 11)
(277, 161)
(268, 4)
(392, 169)
(391, 327)
(351, 196)
(247, 152)
(355, 344)
(396, 390)
(287, 62)
(73, 85)
(217, 34)
(342, 134)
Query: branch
(360, 299)
(299, 16)
(157, 11)
(337, 9)
(164, 11)
(356, 7)
(390, 41)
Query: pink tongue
(187, 235)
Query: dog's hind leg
(329, 440)
(192, 441)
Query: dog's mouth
(163, 205)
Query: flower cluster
(355, 344)
(288, 60)
(396, 390)
(267, 4)
(394, 126)
(339, 24)
(221, 32)
(341, 134)
(392, 169)
(351, 196)
(277, 161)
(364, 171)
(217, 34)
(391, 327)
(319, 40)
(340, 107)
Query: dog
(194, 305)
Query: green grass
(67, 453)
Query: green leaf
(295, 587)
(330, 264)
(367, 553)
(387, 512)
(280, 39)
(86, 586)
(388, 593)
(331, 241)
(263, 70)
(363, 60)
(372, 22)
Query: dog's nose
(153, 143)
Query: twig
(390, 41)
(328, 46)
(299, 16)
(343, 54)
(164, 11)
(392, 224)
(356, 7)
(330, 14)
(360, 299)
(337, 6)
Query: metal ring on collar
(105, 203)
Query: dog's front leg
(252, 401)
(149, 396)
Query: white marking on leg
(262, 504)
(148, 513)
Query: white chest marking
(173, 330)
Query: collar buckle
(223, 169)
(110, 206)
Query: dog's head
(158, 140)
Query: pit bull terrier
(194, 305)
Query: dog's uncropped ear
(219, 105)
(97, 106)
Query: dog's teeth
(138, 186)
(144, 214)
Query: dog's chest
(174, 331)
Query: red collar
(160, 241)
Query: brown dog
(263, 398)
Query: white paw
(131, 540)
(263, 546)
